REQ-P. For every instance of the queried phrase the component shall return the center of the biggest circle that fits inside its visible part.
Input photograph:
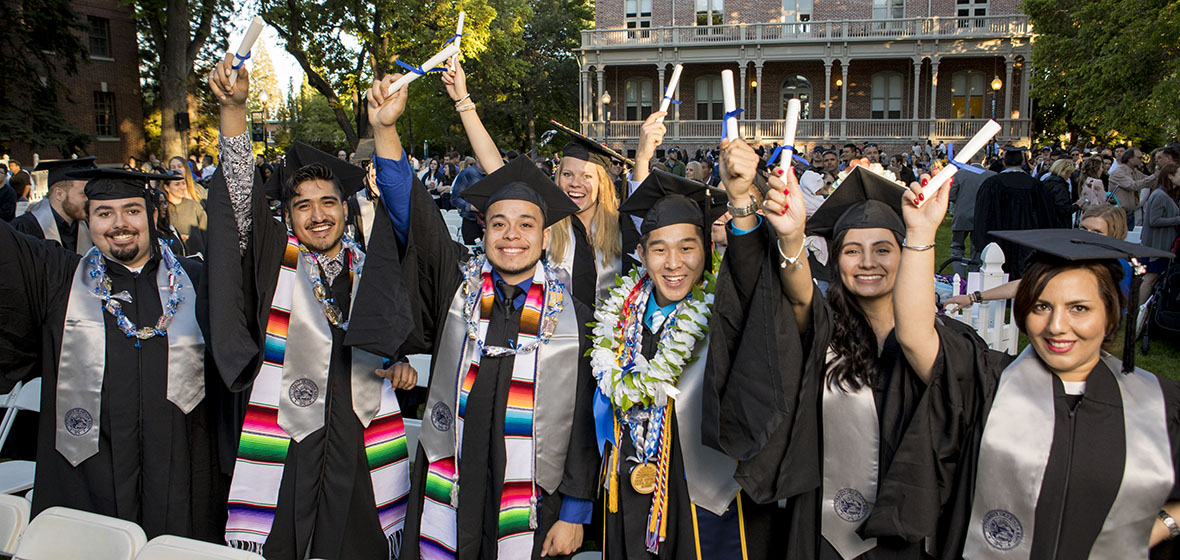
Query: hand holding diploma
(671, 90)
(730, 124)
(792, 125)
(451, 49)
(243, 52)
(977, 142)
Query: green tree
(41, 39)
(1107, 68)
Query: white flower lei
(653, 381)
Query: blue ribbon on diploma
(950, 154)
(418, 69)
(672, 101)
(730, 115)
(778, 151)
(240, 60)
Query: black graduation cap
(1011, 148)
(863, 200)
(351, 177)
(520, 179)
(1076, 245)
(587, 149)
(664, 199)
(59, 167)
(111, 184)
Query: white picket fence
(991, 319)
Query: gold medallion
(643, 478)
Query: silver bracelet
(906, 245)
(747, 210)
(1170, 523)
(788, 260)
(465, 98)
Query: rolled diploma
(247, 43)
(730, 124)
(459, 31)
(447, 52)
(668, 93)
(977, 142)
(793, 108)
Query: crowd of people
(731, 353)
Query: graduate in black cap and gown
(812, 395)
(1012, 200)
(322, 468)
(61, 215)
(1064, 452)
(668, 496)
(506, 466)
(125, 427)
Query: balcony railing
(709, 132)
(814, 31)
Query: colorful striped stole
(263, 446)
(518, 502)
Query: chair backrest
(14, 517)
(29, 397)
(168, 547)
(60, 532)
(422, 364)
(413, 427)
(990, 319)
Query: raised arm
(394, 177)
(482, 144)
(914, 307)
(651, 135)
(234, 145)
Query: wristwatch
(741, 212)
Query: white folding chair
(421, 364)
(412, 428)
(6, 401)
(14, 517)
(168, 547)
(60, 532)
(17, 476)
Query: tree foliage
(1108, 68)
(41, 42)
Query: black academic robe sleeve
(582, 461)
(983, 209)
(36, 274)
(925, 474)
(27, 224)
(756, 407)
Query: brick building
(887, 71)
(103, 99)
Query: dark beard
(126, 254)
(324, 248)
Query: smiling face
(514, 238)
(675, 259)
(579, 179)
(1068, 323)
(868, 262)
(318, 216)
(119, 228)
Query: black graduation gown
(941, 455)
(431, 262)
(155, 465)
(1012, 201)
(27, 223)
(746, 522)
(326, 488)
(777, 434)
(584, 276)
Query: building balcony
(812, 131)
(765, 34)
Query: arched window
(637, 96)
(710, 103)
(797, 87)
(886, 88)
(967, 90)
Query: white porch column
(916, 92)
(583, 97)
(827, 97)
(933, 88)
(1008, 88)
(743, 87)
(844, 97)
(598, 96)
(758, 90)
(659, 93)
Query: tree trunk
(173, 74)
(531, 125)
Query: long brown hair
(853, 339)
(1165, 183)
(604, 236)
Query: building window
(637, 93)
(710, 12)
(710, 102)
(797, 10)
(966, 9)
(886, 95)
(967, 91)
(797, 87)
(638, 16)
(888, 9)
(100, 37)
(104, 113)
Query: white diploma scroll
(731, 124)
(458, 35)
(977, 143)
(244, 47)
(671, 89)
(793, 108)
(450, 50)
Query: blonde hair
(604, 236)
(190, 186)
(1062, 168)
(1115, 218)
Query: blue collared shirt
(394, 180)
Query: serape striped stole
(263, 446)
